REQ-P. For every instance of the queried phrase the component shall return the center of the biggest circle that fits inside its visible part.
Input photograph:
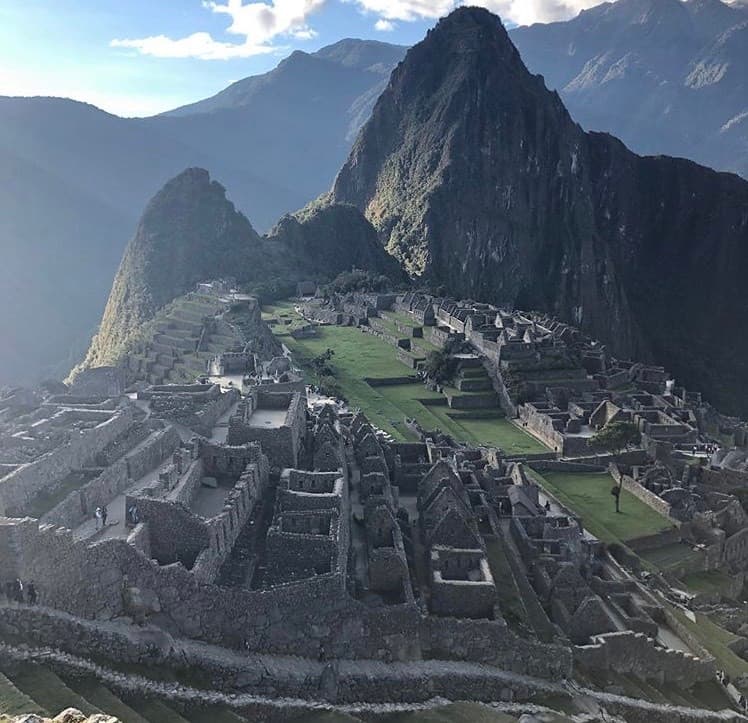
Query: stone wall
(114, 480)
(628, 652)
(493, 643)
(148, 456)
(646, 496)
(20, 487)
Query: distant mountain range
(665, 76)
(74, 180)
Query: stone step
(106, 700)
(175, 343)
(214, 715)
(156, 712)
(474, 384)
(15, 702)
(48, 690)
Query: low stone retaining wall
(628, 652)
(391, 381)
(557, 465)
(642, 493)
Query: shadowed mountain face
(477, 178)
(75, 180)
(665, 76)
(190, 232)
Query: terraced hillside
(176, 345)
(377, 374)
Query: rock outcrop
(477, 178)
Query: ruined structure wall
(19, 487)
(492, 642)
(80, 504)
(146, 458)
(646, 496)
(628, 652)
(114, 480)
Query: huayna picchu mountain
(478, 179)
(190, 232)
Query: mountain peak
(477, 178)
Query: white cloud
(407, 10)
(526, 12)
(384, 26)
(256, 23)
(521, 12)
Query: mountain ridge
(108, 168)
(191, 232)
(661, 75)
(479, 180)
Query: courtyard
(360, 357)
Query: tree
(321, 364)
(440, 367)
(616, 437)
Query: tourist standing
(104, 515)
(98, 514)
(31, 596)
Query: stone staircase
(185, 337)
(30, 688)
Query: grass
(49, 691)
(452, 713)
(100, 696)
(14, 702)
(589, 496)
(669, 556)
(713, 581)
(359, 355)
(715, 639)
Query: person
(31, 593)
(98, 514)
(548, 505)
(104, 515)
(133, 514)
(18, 590)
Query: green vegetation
(670, 556)
(716, 640)
(589, 496)
(713, 581)
(49, 691)
(14, 702)
(357, 280)
(440, 367)
(358, 356)
(453, 713)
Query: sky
(142, 57)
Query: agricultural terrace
(360, 356)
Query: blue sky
(139, 57)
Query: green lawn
(589, 496)
(359, 355)
(715, 639)
(669, 556)
(713, 581)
